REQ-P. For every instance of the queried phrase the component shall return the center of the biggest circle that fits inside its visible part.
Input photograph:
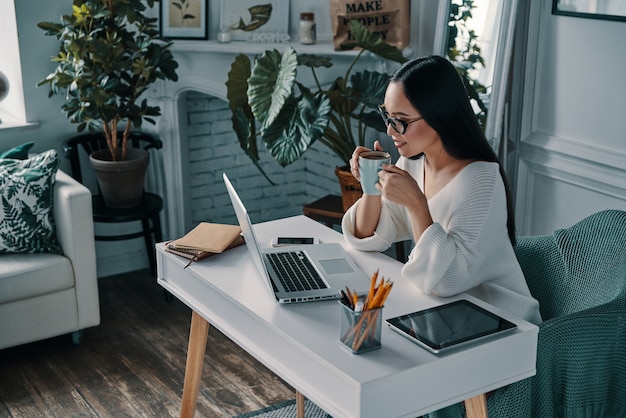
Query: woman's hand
(354, 161)
(397, 186)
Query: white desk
(300, 342)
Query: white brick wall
(213, 148)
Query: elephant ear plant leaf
(290, 116)
(299, 123)
(242, 118)
(272, 78)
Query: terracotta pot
(350, 187)
(121, 182)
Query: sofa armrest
(74, 227)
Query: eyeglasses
(399, 125)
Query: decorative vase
(350, 187)
(121, 182)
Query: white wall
(573, 140)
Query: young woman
(447, 192)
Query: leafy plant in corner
(468, 57)
(109, 54)
(292, 116)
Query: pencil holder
(360, 331)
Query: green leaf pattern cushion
(19, 153)
(26, 193)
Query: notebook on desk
(299, 273)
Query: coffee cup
(370, 163)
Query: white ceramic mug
(370, 163)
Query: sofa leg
(77, 337)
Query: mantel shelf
(252, 48)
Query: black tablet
(449, 326)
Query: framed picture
(593, 9)
(184, 19)
(245, 18)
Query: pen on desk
(350, 298)
(344, 298)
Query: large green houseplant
(110, 53)
(290, 116)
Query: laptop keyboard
(295, 272)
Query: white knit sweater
(466, 249)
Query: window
(12, 109)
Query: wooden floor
(132, 364)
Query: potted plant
(291, 116)
(109, 54)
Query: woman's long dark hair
(436, 90)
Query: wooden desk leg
(476, 407)
(299, 405)
(198, 334)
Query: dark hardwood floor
(132, 364)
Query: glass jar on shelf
(307, 30)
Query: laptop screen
(246, 229)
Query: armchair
(578, 275)
(44, 295)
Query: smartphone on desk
(285, 241)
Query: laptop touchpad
(336, 266)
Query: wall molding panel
(570, 153)
(560, 182)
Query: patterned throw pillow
(19, 153)
(26, 198)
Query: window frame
(12, 108)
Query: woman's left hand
(398, 186)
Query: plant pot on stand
(121, 182)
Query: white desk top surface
(300, 342)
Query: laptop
(300, 273)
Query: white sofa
(45, 295)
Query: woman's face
(419, 136)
